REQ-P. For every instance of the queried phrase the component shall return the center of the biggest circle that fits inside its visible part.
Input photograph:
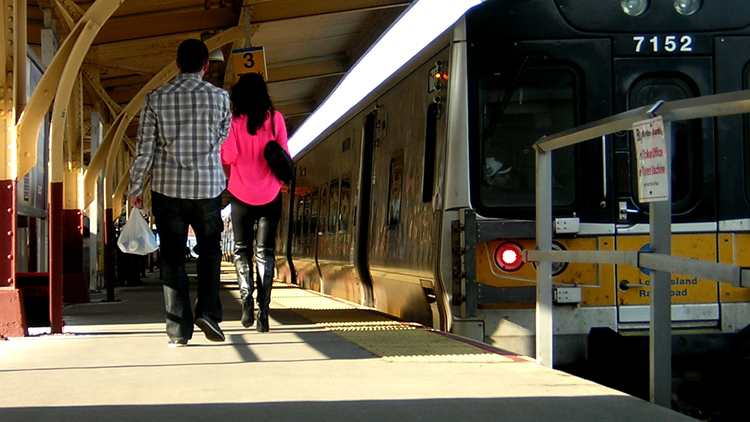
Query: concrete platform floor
(113, 364)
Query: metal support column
(544, 330)
(75, 284)
(109, 254)
(248, 10)
(110, 244)
(660, 331)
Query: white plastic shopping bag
(136, 237)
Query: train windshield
(686, 136)
(515, 111)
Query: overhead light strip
(419, 25)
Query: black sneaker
(210, 328)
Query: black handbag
(278, 159)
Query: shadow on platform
(536, 409)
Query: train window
(314, 202)
(394, 189)
(333, 212)
(346, 192)
(323, 217)
(306, 214)
(515, 110)
(299, 217)
(686, 136)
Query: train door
(644, 81)
(733, 152)
(363, 207)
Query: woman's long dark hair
(250, 98)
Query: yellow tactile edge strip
(391, 340)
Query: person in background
(255, 190)
(182, 126)
(496, 174)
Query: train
(419, 201)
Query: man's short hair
(192, 55)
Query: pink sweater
(251, 180)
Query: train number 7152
(668, 43)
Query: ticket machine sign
(653, 160)
(249, 60)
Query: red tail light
(509, 256)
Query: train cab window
(346, 193)
(323, 216)
(686, 137)
(333, 211)
(514, 112)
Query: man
(496, 174)
(183, 124)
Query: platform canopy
(309, 45)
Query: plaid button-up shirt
(183, 124)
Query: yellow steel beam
(75, 125)
(102, 65)
(96, 85)
(6, 36)
(129, 143)
(109, 173)
(168, 22)
(38, 105)
(295, 108)
(7, 141)
(70, 13)
(335, 66)
(291, 9)
(19, 66)
(64, 93)
(119, 192)
(100, 158)
(73, 141)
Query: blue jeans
(173, 216)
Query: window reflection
(542, 103)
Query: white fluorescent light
(422, 22)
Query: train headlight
(508, 256)
(687, 7)
(635, 7)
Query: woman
(256, 192)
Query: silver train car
(396, 206)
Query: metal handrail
(737, 102)
(662, 264)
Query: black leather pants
(256, 225)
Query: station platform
(323, 360)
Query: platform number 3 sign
(249, 60)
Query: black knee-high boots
(264, 260)
(245, 281)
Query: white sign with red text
(653, 160)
